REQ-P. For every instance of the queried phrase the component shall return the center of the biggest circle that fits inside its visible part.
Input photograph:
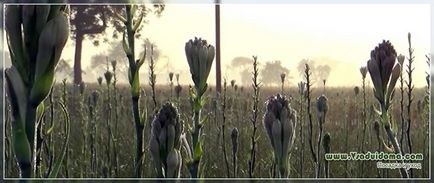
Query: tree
(241, 61)
(319, 72)
(63, 69)
(116, 52)
(91, 21)
(86, 21)
(271, 72)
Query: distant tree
(302, 65)
(98, 63)
(241, 61)
(246, 77)
(271, 72)
(64, 69)
(319, 72)
(323, 71)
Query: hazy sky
(341, 36)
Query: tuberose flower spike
(165, 141)
(279, 122)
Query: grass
(213, 164)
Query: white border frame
(232, 2)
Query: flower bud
(113, 63)
(301, 87)
(42, 12)
(177, 77)
(173, 162)
(279, 122)
(51, 42)
(171, 76)
(322, 107)
(165, 140)
(234, 138)
(99, 79)
(363, 71)
(232, 83)
(380, 67)
(377, 128)
(395, 75)
(94, 98)
(200, 56)
(108, 77)
(276, 131)
(282, 77)
(14, 37)
(16, 92)
(28, 16)
(356, 90)
(401, 59)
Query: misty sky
(341, 36)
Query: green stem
(196, 135)
(364, 126)
(318, 173)
(22, 148)
(139, 136)
(392, 138)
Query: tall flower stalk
(307, 74)
(322, 108)
(282, 79)
(326, 147)
(153, 78)
(302, 92)
(255, 115)
(108, 78)
(410, 88)
(234, 140)
(363, 72)
(92, 103)
(401, 59)
(223, 127)
(128, 42)
(384, 74)
(171, 83)
(280, 123)
(426, 113)
(200, 56)
(36, 36)
(116, 119)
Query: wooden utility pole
(217, 32)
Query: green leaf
(135, 85)
(17, 93)
(21, 144)
(198, 151)
(204, 120)
(41, 87)
(59, 160)
(138, 22)
(40, 111)
(13, 29)
(203, 100)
